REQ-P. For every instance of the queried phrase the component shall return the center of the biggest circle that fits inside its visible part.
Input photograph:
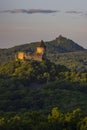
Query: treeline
(56, 120)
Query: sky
(25, 21)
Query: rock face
(38, 55)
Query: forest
(47, 95)
(42, 95)
(55, 120)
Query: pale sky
(25, 21)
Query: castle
(38, 55)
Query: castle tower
(41, 48)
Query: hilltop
(62, 45)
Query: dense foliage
(56, 120)
(40, 86)
(32, 70)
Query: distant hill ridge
(62, 45)
(58, 45)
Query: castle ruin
(38, 55)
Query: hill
(62, 44)
(59, 45)
(29, 90)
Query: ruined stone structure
(38, 55)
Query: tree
(72, 119)
(56, 119)
(82, 125)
